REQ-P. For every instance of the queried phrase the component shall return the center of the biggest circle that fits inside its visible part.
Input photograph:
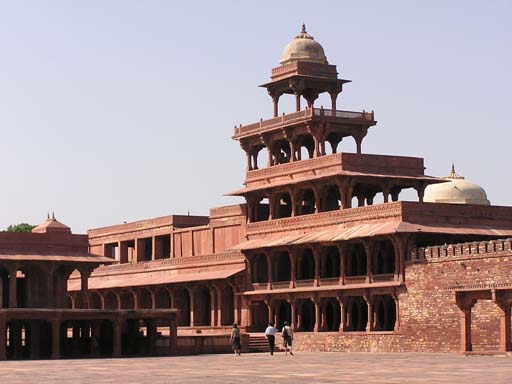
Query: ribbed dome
(457, 191)
(303, 48)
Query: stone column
(270, 309)
(316, 301)
(118, 329)
(369, 249)
(95, 338)
(397, 312)
(219, 306)
(15, 338)
(123, 252)
(151, 335)
(369, 303)
(13, 303)
(343, 256)
(293, 267)
(268, 254)
(191, 294)
(293, 321)
(84, 288)
(173, 337)
(342, 312)
(316, 254)
(35, 338)
(212, 306)
(55, 339)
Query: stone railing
(371, 213)
(308, 113)
(470, 249)
(228, 211)
(162, 263)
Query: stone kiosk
(35, 319)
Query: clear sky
(115, 111)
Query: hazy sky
(115, 111)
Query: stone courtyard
(313, 367)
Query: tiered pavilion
(312, 246)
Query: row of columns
(320, 305)
(81, 330)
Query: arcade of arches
(208, 305)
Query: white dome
(303, 48)
(457, 190)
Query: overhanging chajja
(341, 233)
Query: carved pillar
(397, 311)
(316, 301)
(191, 294)
(369, 303)
(292, 303)
(334, 96)
(421, 192)
(212, 307)
(270, 271)
(297, 101)
(219, 306)
(293, 267)
(369, 248)
(293, 201)
(271, 206)
(385, 194)
(270, 308)
(341, 302)
(316, 254)
(343, 256)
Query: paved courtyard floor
(262, 368)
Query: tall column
(55, 339)
(35, 338)
(151, 335)
(343, 256)
(173, 337)
(397, 312)
(293, 269)
(342, 312)
(270, 309)
(271, 206)
(421, 192)
(13, 303)
(334, 96)
(316, 254)
(118, 329)
(84, 288)
(15, 338)
(369, 303)
(153, 248)
(316, 301)
(293, 322)
(191, 294)
(297, 101)
(269, 269)
(369, 248)
(293, 202)
(212, 307)
(219, 306)
(237, 306)
(269, 153)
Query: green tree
(22, 227)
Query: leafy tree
(22, 227)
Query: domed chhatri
(303, 48)
(457, 191)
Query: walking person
(236, 345)
(287, 338)
(270, 333)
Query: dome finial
(303, 28)
(453, 174)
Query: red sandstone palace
(322, 241)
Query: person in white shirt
(270, 333)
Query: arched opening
(307, 316)
(162, 298)
(260, 210)
(284, 313)
(384, 313)
(332, 316)
(281, 152)
(145, 299)
(228, 306)
(282, 270)
(95, 300)
(306, 202)
(111, 300)
(305, 148)
(356, 260)
(127, 300)
(331, 200)
(260, 269)
(384, 262)
(257, 156)
(182, 298)
(282, 205)
(306, 265)
(202, 306)
(330, 263)
(333, 139)
(357, 314)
